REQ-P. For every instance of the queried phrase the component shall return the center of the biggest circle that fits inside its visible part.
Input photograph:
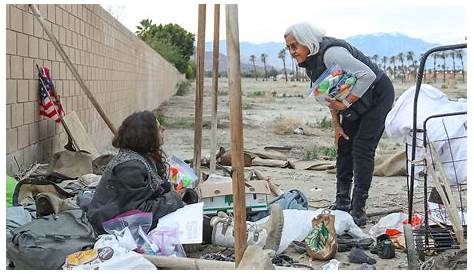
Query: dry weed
(285, 125)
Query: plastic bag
(392, 224)
(131, 220)
(181, 174)
(166, 239)
(334, 83)
(321, 243)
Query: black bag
(45, 243)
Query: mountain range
(382, 44)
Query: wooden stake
(199, 91)
(236, 131)
(71, 67)
(438, 177)
(215, 80)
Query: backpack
(44, 243)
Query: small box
(216, 194)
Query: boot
(343, 196)
(358, 208)
(265, 233)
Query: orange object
(343, 88)
(336, 72)
(415, 220)
(392, 232)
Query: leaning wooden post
(199, 91)
(215, 80)
(73, 69)
(236, 131)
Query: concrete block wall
(122, 72)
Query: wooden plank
(236, 130)
(199, 91)
(437, 175)
(78, 134)
(215, 81)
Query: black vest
(315, 66)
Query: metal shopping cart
(446, 200)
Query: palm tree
(443, 55)
(392, 61)
(252, 60)
(453, 56)
(460, 55)
(263, 58)
(282, 56)
(401, 57)
(410, 57)
(293, 68)
(375, 58)
(384, 62)
(435, 55)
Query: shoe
(358, 255)
(358, 208)
(346, 242)
(265, 233)
(384, 247)
(343, 197)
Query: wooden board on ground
(79, 134)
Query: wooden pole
(236, 131)
(199, 91)
(215, 80)
(71, 67)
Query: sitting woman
(137, 177)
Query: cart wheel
(412, 255)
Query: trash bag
(321, 243)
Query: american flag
(49, 101)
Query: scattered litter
(299, 131)
(358, 255)
(332, 265)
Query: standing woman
(358, 120)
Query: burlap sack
(321, 243)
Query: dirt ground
(267, 103)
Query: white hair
(307, 35)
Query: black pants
(355, 157)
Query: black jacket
(127, 187)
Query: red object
(174, 171)
(336, 72)
(50, 104)
(415, 220)
(392, 232)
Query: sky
(434, 21)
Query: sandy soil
(262, 103)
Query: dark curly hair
(139, 132)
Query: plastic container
(334, 83)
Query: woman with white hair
(359, 118)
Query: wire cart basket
(431, 238)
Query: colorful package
(334, 83)
(181, 174)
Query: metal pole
(236, 131)
(215, 80)
(199, 91)
(72, 68)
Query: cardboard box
(216, 194)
